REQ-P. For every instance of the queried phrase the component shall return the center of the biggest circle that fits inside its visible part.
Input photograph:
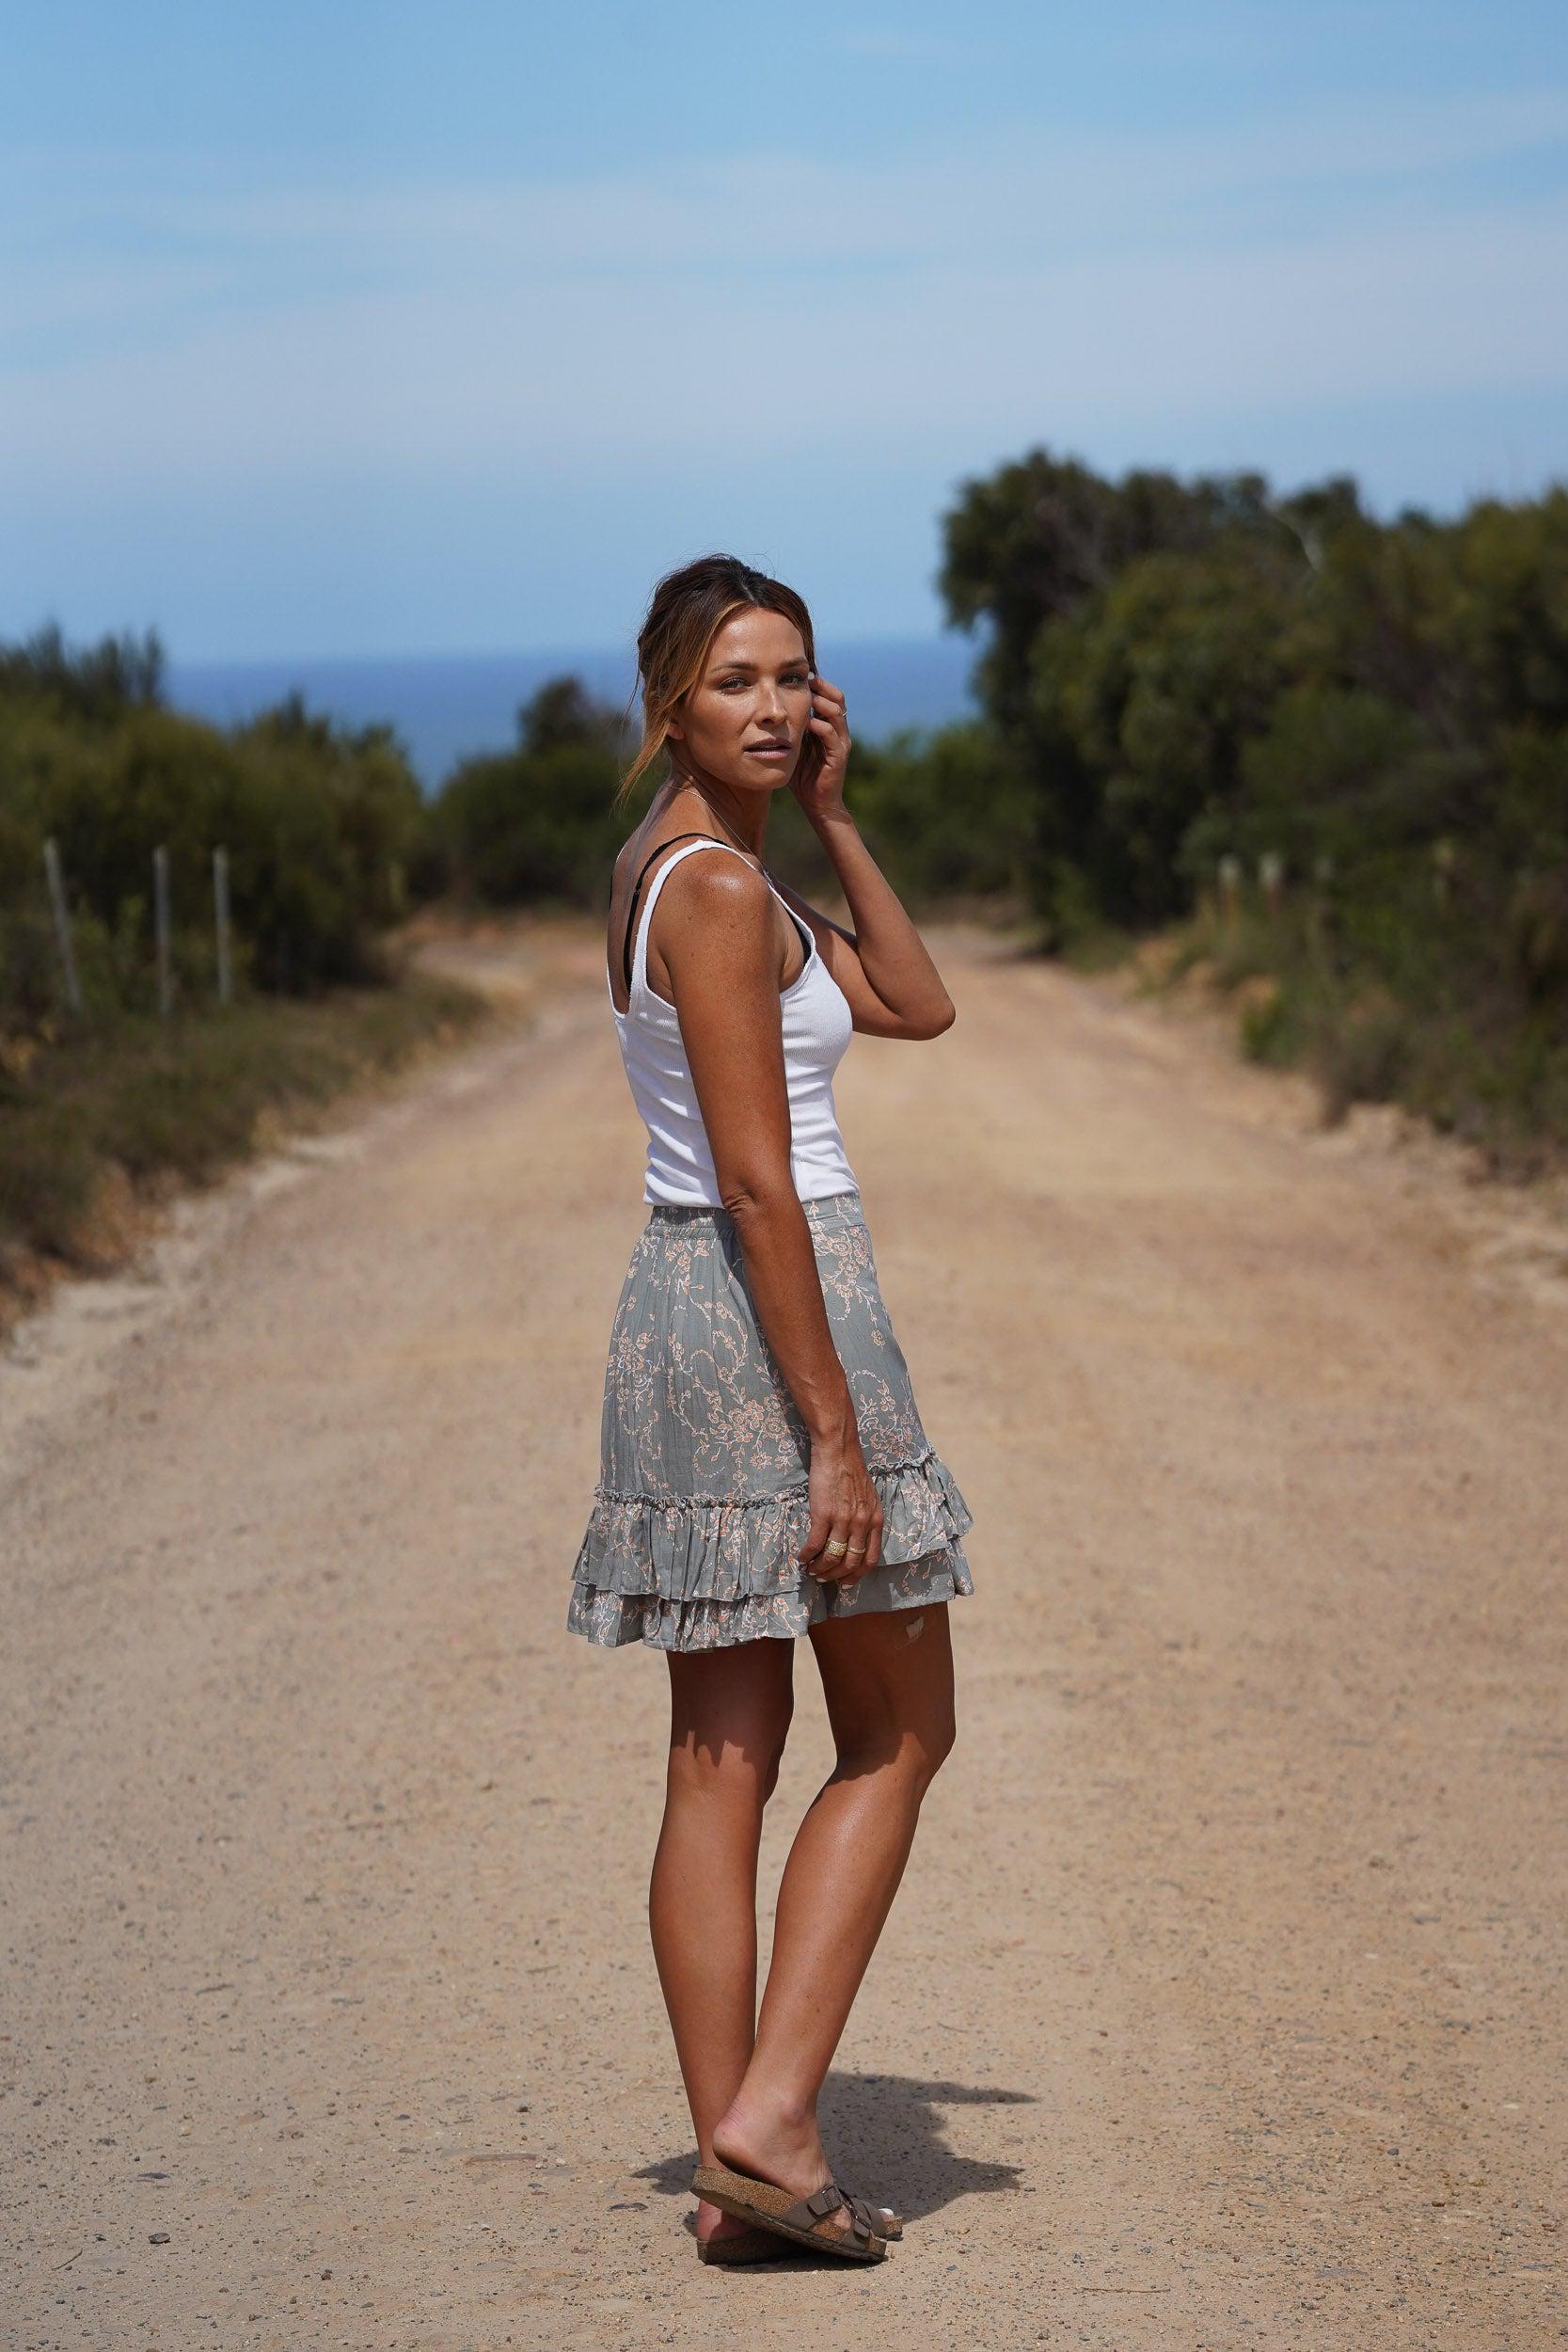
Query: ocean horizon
(447, 707)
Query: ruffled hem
(611, 1619)
(716, 1547)
(708, 1570)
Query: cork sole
(748, 2245)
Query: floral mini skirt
(700, 1506)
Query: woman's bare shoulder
(723, 907)
(729, 880)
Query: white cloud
(779, 303)
(772, 208)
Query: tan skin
(721, 948)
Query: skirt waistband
(827, 1208)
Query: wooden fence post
(220, 904)
(1231, 883)
(1270, 874)
(62, 922)
(160, 909)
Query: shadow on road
(886, 2135)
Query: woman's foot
(713, 2222)
(787, 2152)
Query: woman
(764, 1471)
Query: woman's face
(753, 696)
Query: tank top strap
(636, 963)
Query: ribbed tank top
(817, 1025)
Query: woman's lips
(768, 751)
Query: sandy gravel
(1223, 2005)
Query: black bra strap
(625, 952)
(626, 945)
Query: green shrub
(534, 825)
(320, 825)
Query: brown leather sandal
(762, 2246)
(802, 2219)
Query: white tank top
(817, 1025)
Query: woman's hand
(817, 782)
(844, 1510)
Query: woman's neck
(736, 817)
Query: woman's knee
(889, 1682)
(913, 1744)
(929, 1740)
(729, 1720)
(777, 1733)
(738, 1766)
(939, 1736)
(771, 1775)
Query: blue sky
(359, 329)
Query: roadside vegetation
(1328, 755)
(1320, 758)
(194, 941)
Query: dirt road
(1224, 2004)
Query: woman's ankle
(763, 2107)
(770, 2135)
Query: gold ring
(834, 1552)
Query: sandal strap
(883, 2215)
(865, 2218)
(807, 2211)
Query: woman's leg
(888, 1680)
(729, 1712)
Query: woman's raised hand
(817, 782)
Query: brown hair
(685, 613)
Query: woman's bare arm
(892, 987)
(719, 943)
